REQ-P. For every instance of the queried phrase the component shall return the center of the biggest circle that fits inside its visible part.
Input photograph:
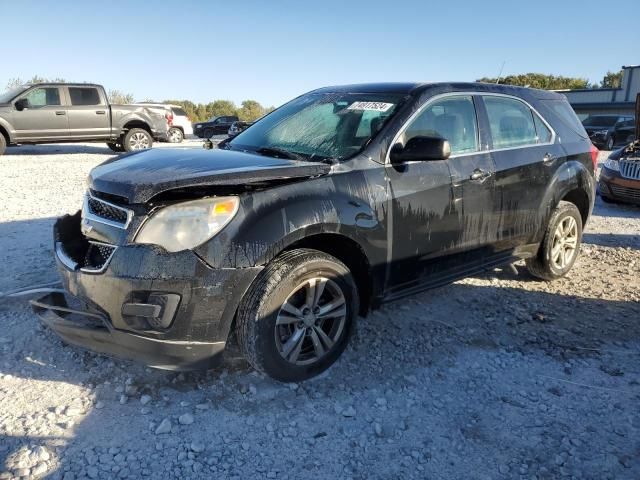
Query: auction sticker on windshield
(374, 106)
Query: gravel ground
(496, 376)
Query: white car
(179, 123)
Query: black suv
(602, 128)
(340, 200)
(214, 126)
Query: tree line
(555, 82)
(248, 110)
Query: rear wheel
(137, 139)
(116, 147)
(175, 135)
(3, 144)
(560, 245)
(296, 318)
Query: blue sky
(273, 51)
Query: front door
(44, 118)
(438, 207)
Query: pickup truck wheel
(561, 244)
(3, 144)
(137, 139)
(116, 147)
(296, 318)
(175, 135)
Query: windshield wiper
(279, 153)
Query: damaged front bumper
(139, 302)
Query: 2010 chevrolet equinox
(340, 200)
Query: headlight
(612, 164)
(198, 126)
(189, 224)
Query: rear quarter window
(179, 112)
(565, 114)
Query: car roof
(416, 88)
(64, 84)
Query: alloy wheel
(565, 243)
(138, 141)
(310, 321)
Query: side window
(42, 97)
(510, 122)
(84, 96)
(543, 132)
(452, 118)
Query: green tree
(218, 108)
(612, 80)
(540, 80)
(16, 81)
(118, 97)
(250, 110)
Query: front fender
(270, 221)
(6, 126)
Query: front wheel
(560, 245)
(296, 318)
(175, 135)
(3, 144)
(137, 139)
(610, 143)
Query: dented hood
(143, 175)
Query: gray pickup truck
(69, 112)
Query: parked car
(237, 127)
(623, 134)
(214, 126)
(601, 128)
(339, 201)
(179, 121)
(620, 175)
(68, 112)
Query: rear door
(89, 114)
(45, 118)
(526, 156)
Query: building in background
(599, 101)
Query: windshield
(320, 125)
(10, 94)
(603, 121)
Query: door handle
(479, 175)
(61, 112)
(548, 158)
(100, 112)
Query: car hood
(142, 175)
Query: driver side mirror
(421, 149)
(22, 104)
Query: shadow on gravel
(612, 240)
(57, 149)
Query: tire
(610, 143)
(543, 265)
(137, 139)
(208, 133)
(267, 333)
(3, 144)
(116, 147)
(175, 135)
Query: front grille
(107, 212)
(619, 191)
(630, 169)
